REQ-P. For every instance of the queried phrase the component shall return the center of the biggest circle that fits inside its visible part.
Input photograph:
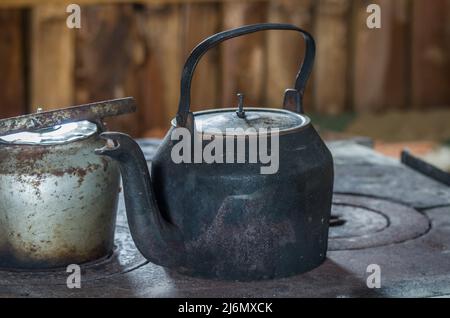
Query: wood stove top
(383, 213)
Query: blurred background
(390, 84)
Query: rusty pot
(58, 200)
(229, 219)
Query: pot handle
(292, 96)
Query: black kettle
(231, 217)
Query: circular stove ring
(370, 222)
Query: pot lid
(55, 135)
(93, 112)
(246, 121)
(61, 125)
(250, 122)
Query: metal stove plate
(414, 268)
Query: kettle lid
(61, 125)
(230, 122)
(47, 119)
(55, 135)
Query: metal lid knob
(240, 112)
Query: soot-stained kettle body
(229, 220)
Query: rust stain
(31, 255)
(30, 153)
(105, 163)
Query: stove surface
(383, 213)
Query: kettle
(229, 218)
(58, 200)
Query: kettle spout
(158, 240)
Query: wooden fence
(138, 49)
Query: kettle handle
(291, 95)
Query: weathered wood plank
(431, 53)
(199, 22)
(162, 33)
(243, 59)
(52, 58)
(30, 3)
(106, 58)
(12, 81)
(285, 50)
(381, 57)
(333, 46)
